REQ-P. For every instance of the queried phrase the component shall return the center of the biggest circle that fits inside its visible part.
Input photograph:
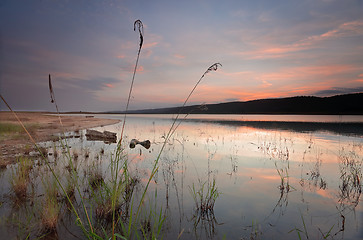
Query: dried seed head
(138, 24)
(51, 90)
(214, 67)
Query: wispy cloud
(348, 29)
(109, 85)
(86, 84)
(150, 45)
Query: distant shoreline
(133, 112)
(348, 104)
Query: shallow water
(275, 179)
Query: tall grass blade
(53, 100)
(137, 24)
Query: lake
(277, 175)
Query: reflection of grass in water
(304, 232)
(350, 175)
(75, 155)
(95, 175)
(86, 153)
(284, 177)
(255, 233)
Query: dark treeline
(340, 128)
(336, 105)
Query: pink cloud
(265, 84)
(150, 45)
(233, 74)
(140, 69)
(109, 85)
(129, 68)
(179, 56)
(354, 28)
(308, 72)
(66, 75)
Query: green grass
(10, 128)
(205, 196)
(10, 131)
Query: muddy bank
(42, 127)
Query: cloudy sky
(268, 49)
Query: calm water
(275, 173)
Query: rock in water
(146, 144)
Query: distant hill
(347, 104)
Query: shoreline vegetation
(43, 126)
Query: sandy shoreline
(43, 128)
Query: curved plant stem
(172, 129)
(139, 26)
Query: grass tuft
(205, 196)
(20, 177)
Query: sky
(268, 49)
